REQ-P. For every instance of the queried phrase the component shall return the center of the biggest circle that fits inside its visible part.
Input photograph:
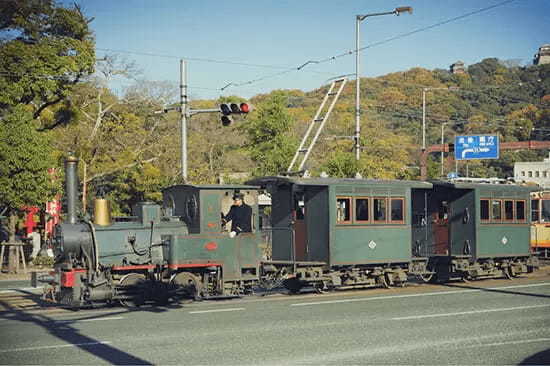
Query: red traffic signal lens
(245, 108)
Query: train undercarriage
(78, 287)
(466, 268)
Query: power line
(64, 78)
(200, 59)
(399, 36)
(450, 20)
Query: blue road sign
(476, 147)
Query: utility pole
(357, 91)
(183, 113)
(442, 153)
(187, 113)
(423, 167)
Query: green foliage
(45, 49)
(25, 157)
(268, 143)
(341, 164)
(130, 186)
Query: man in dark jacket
(240, 215)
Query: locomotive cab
(220, 262)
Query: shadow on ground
(541, 358)
(494, 290)
(66, 332)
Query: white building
(533, 171)
(543, 56)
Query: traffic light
(227, 109)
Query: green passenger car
(344, 232)
(477, 230)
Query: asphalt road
(14, 284)
(489, 323)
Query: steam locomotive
(326, 234)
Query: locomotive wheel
(187, 285)
(132, 287)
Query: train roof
(496, 187)
(279, 180)
(212, 186)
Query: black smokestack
(71, 187)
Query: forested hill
(491, 97)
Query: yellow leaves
(392, 96)
(421, 76)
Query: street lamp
(424, 90)
(358, 20)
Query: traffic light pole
(186, 113)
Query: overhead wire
(286, 69)
(61, 77)
(399, 36)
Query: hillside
(491, 98)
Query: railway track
(23, 301)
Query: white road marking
(513, 342)
(215, 311)
(56, 346)
(417, 295)
(469, 312)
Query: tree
(269, 143)
(25, 157)
(44, 50)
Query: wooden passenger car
(477, 230)
(344, 232)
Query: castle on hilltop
(543, 56)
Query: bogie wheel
(320, 287)
(132, 287)
(426, 277)
(384, 281)
(187, 285)
(509, 272)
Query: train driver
(240, 215)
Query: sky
(257, 45)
